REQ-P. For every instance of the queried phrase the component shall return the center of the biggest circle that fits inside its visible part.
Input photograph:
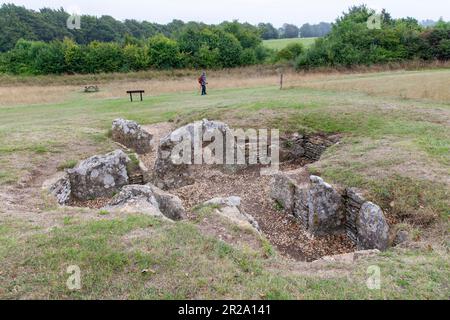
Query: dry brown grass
(428, 85)
(21, 95)
(17, 91)
(376, 80)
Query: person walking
(203, 83)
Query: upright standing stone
(282, 190)
(181, 149)
(373, 230)
(301, 204)
(326, 208)
(353, 203)
(131, 135)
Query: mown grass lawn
(395, 147)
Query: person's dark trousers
(203, 89)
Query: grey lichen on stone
(147, 199)
(59, 187)
(173, 169)
(131, 135)
(99, 176)
(326, 208)
(373, 229)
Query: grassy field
(396, 146)
(278, 44)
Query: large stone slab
(147, 199)
(301, 204)
(282, 190)
(326, 208)
(230, 208)
(99, 176)
(173, 166)
(373, 229)
(131, 135)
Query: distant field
(279, 44)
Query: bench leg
(141, 96)
(131, 97)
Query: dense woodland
(40, 43)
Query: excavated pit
(282, 230)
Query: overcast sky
(253, 11)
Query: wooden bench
(130, 92)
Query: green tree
(135, 57)
(247, 35)
(163, 53)
(289, 31)
(268, 31)
(103, 57)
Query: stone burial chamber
(323, 209)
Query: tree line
(17, 23)
(195, 46)
(41, 49)
(351, 42)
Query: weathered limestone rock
(373, 230)
(282, 189)
(59, 187)
(169, 204)
(315, 203)
(326, 208)
(131, 135)
(171, 169)
(301, 204)
(230, 208)
(135, 199)
(147, 199)
(99, 176)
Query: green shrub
(291, 52)
(163, 53)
